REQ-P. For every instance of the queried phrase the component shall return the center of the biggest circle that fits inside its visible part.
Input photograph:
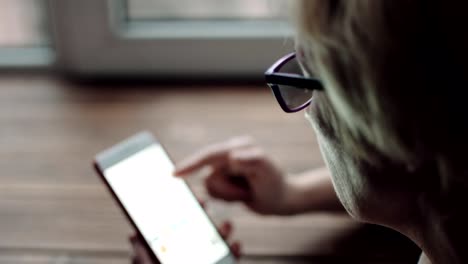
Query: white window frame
(91, 37)
(21, 58)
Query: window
(214, 38)
(207, 9)
(24, 39)
(22, 23)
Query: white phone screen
(164, 209)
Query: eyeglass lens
(294, 97)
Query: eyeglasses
(292, 90)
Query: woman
(389, 80)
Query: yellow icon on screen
(163, 249)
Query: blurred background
(154, 38)
(78, 76)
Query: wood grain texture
(54, 209)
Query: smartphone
(161, 207)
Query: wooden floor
(54, 209)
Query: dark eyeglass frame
(275, 78)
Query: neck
(436, 239)
(424, 259)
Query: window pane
(206, 9)
(22, 23)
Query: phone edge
(228, 259)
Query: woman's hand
(142, 256)
(240, 171)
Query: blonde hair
(394, 71)
(396, 81)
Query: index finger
(216, 155)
